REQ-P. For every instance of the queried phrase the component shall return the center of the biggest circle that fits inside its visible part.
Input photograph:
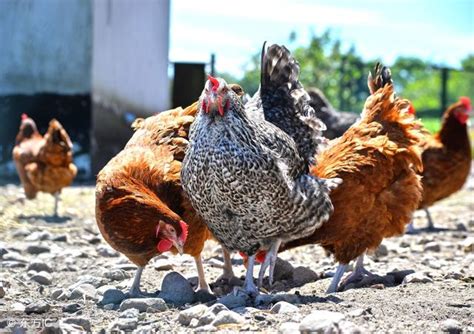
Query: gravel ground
(59, 275)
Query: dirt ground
(440, 295)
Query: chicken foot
(412, 230)
(249, 286)
(270, 260)
(135, 291)
(202, 284)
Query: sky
(440, 31)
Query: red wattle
(164, 245)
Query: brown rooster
(446, 158)
(44, 164)
(377, 160)
(141, 209)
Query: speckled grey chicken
(337, 122)
(246, 168)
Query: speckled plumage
(246, 176)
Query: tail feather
(285, 101)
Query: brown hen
(44, 164)
(141, 209)
(377, 159)
(446, 158)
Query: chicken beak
(179, 247)
(215, 103)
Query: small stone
(210, 315)
(14, 256)
(400, 275)
(42, 278)
(289, 328)
(17, 307)
(88, 279)
(38, 307)
(142, 304)
(84, 290)
(106, 251)
(461, 227)
(451, 326)
(457, 275)
(71, 308)
(82, 322)
(37, 249)
(321, 322)
(39, 236)
(348, 327)
(162, 265)
(284, 307)
(110, 307)
(432, 246)
(283, 270)
(360, 312)
(205, 329)
(130, 313)
(101, 290)
(60, 294)
(303, 275)
(215, 263)
(417, 278)
(195, 312)
(38, 266)
(112, 296)
(231, 301)
(468, 245)
(117, 275)
(124, 324)
(60, 238)
(2, 292)
(226, 318)
(176, 289)
(193, 323)
(404, 244)
(381, 251)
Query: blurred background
(96, 65)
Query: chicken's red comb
(214, 81)
(411, 109)
(184, 231)
(24, 116)
(466, 102)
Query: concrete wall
(130, 56)
(129, 70)
(45, 46)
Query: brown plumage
(446, 156)
(140, 188)
(377, 160)
(44, 163)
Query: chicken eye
(172, 230)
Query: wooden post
(444, 89)
(213, 64)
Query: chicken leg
(228, 272)
(270, 260)
(202, 284)
(430, 226)
(249, 286)
(56, 200)
(135, 291)
(336, 278)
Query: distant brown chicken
(446, 157)
(141, 209)
(44, 163)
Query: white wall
(45, 46)
(130, 54)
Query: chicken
(337, 122)
(44, 164)
(27, 144)
(246, 168)
(446, 157)
(377, 159)
(141, 209)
